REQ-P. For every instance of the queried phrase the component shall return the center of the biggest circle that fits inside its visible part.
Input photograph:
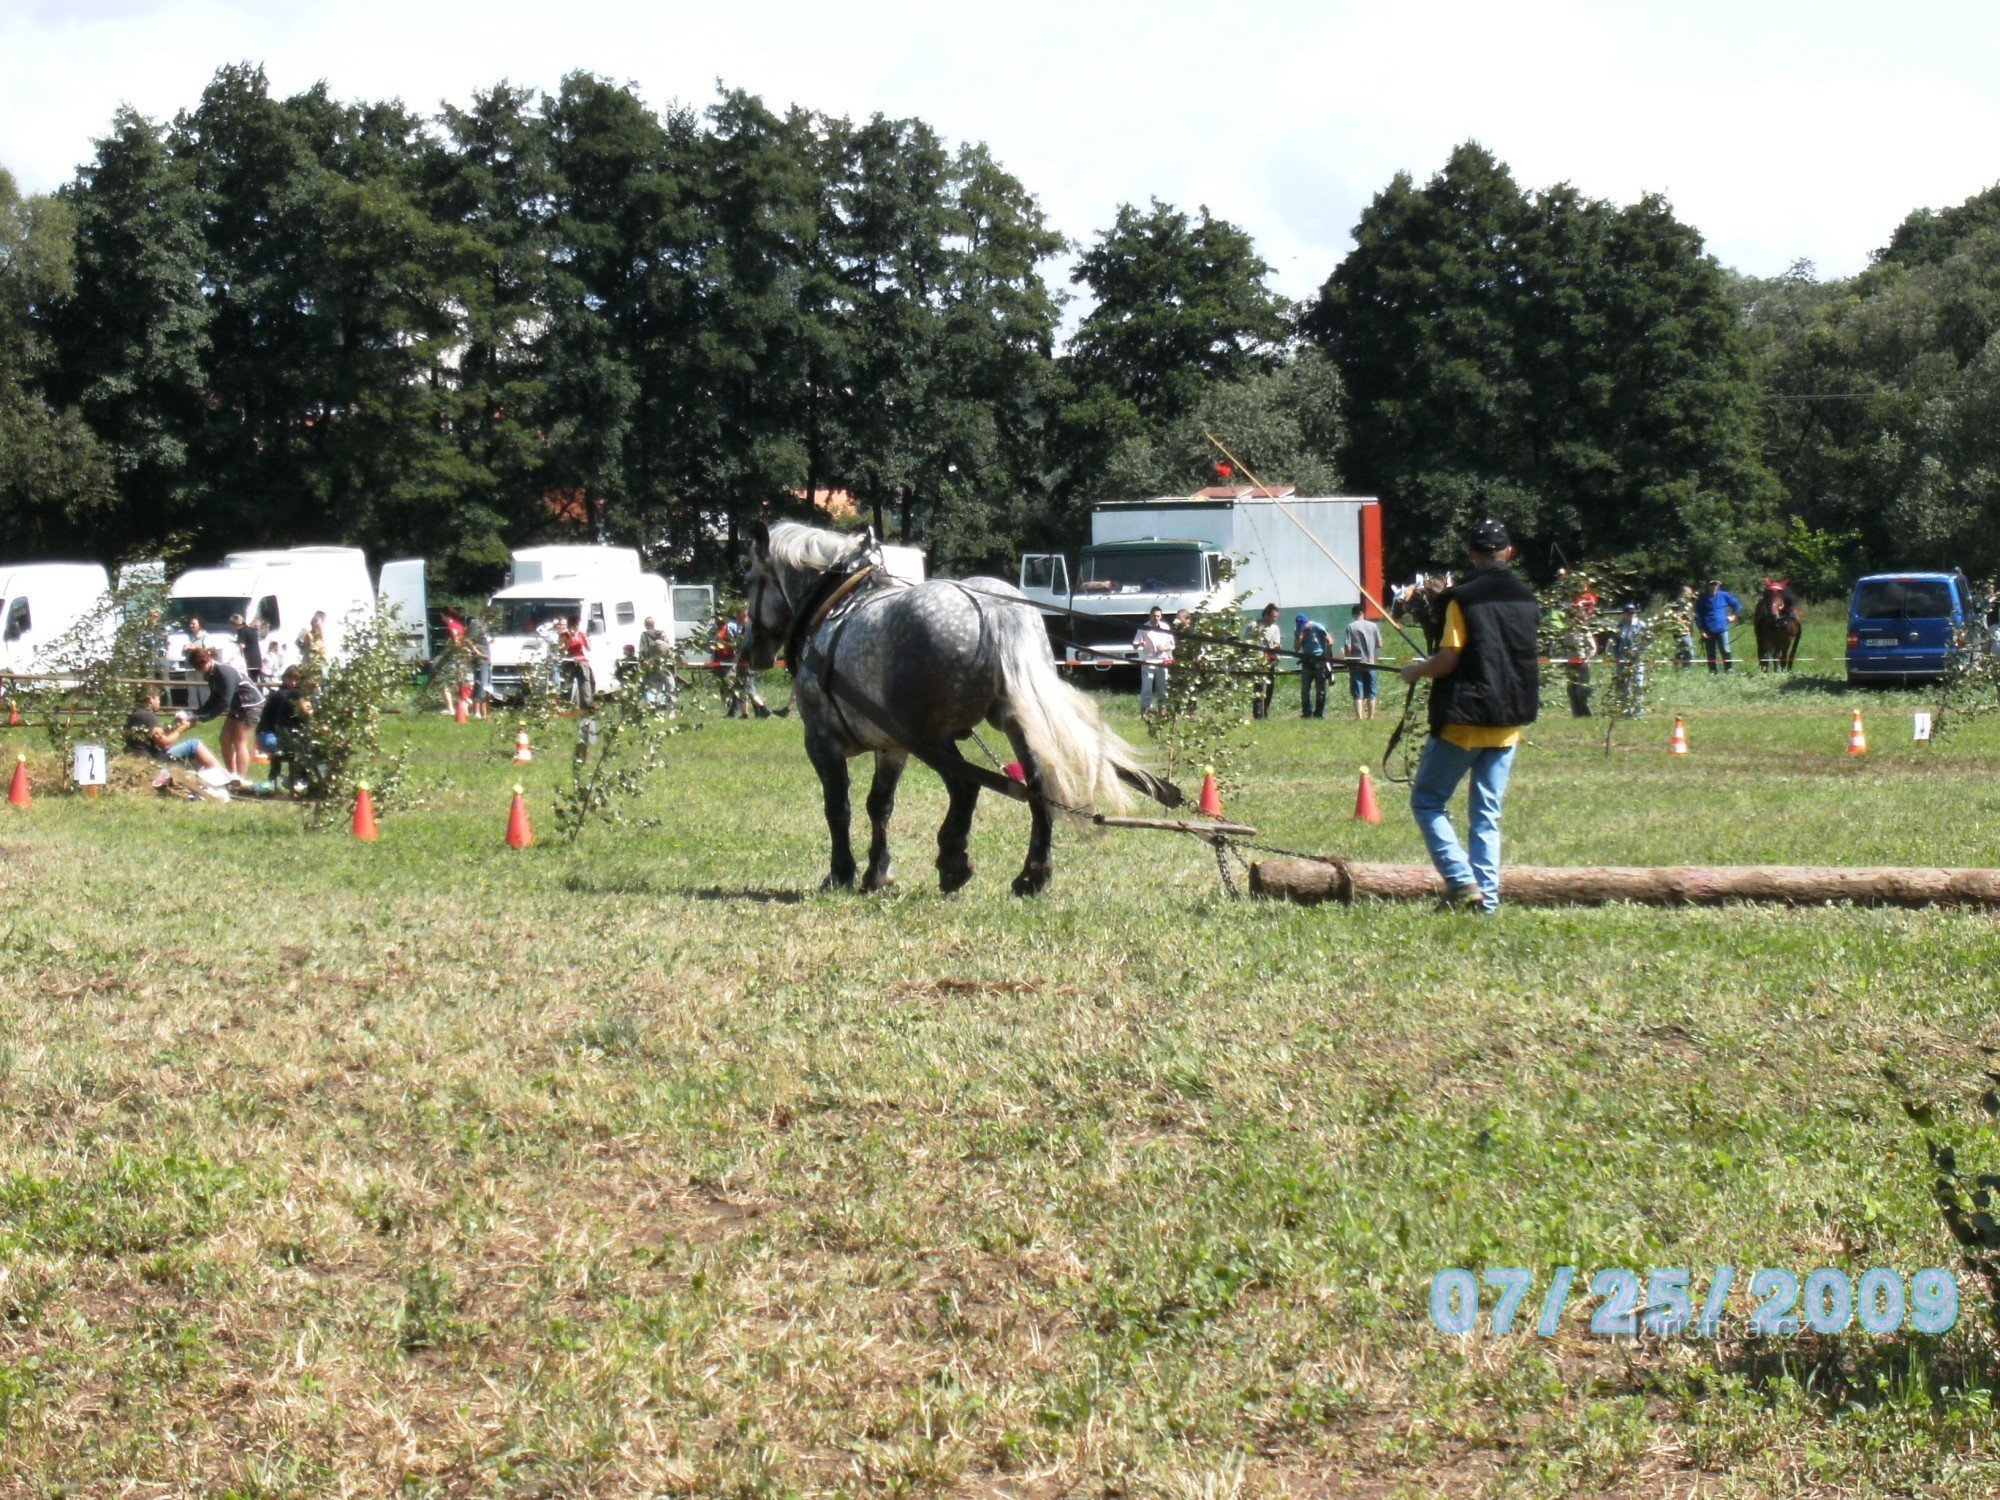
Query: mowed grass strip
(641, 1167)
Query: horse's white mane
(796, 545)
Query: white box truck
(286, 588)
(42, 603)
(1168, 552)
(607, 589)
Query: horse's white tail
(1085, 766)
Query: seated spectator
(146, 735)
(282, 723)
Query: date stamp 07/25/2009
(1662, 1305)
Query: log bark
(1310, 882)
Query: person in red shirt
(576, 664)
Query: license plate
(1880, 640)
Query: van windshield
(214, 613)
(1143, 571)
(534, 616)
(1902, 599)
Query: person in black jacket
(232, 698)
(1486, 684)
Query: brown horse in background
(1778, 624)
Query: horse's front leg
(831, 765)
(1039, 866)
(882, 802)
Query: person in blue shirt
(1715, 610)
(1315, 648)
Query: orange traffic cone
(1679, 744)
(1365, 807)
(519, 834)
(1857, 737)
(458, 701)
(13, 713)
(364, 814)
(523, 754)
(1211, 799)
(17, 790)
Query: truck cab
(1116, 585)
(1906, 627)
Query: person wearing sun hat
(1485, 684)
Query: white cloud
(1778, 136)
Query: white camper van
(285, 589)
(606, 588)
(41, 603)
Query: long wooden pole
(1311, 881)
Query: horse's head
(785, 562)
(769, 596)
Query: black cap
(1489, 536)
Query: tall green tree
(133, 332)
(1570, 365)
(1176, 301)
(55, 481)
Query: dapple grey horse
(900, 669)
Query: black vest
(1498, 679)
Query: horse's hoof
(952, 877)
(836, 883)
(1031, 881)
(873, 881)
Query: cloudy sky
(1781, 130)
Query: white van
(285, 589)
(607, 589)
(41, 603)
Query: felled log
(1311, 881)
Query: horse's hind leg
(832, 768)
(954, 865)
(881, 802)
(1035, 871)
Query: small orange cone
(458, 702)
(1211, 799)
(364, 814)
(13, 713)
(1679, 744)
(519, 834)
(523, 754)
(1857, 737)
(1365, 807)
(17, 790)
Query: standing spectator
(479, 651)
(1629, 650)
(449, 670)
(249, 646)
(1315, 649)
(656, 661)
(744, 697)
(1715, 610)
(1362, 646)
(577, 673)
(1485, 685)
(1155, 645)
(232, 698)
(313, 649)
(145, 735)
(1265, 685)
(1681, 612)
(1580, 645)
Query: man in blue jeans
(1715, 610)
(1486, 683)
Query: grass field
(433, 1168)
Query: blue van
(1903, 627)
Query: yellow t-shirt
(1472, 736)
